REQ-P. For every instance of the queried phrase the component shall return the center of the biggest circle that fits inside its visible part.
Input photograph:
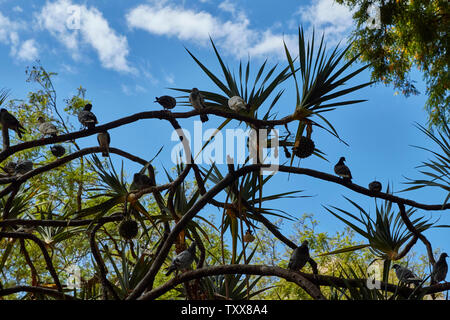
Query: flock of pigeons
(183, 260)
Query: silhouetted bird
(47, 128)
(141, 181)
(196, 99)
(183, 260)
(24, 166)
(440, 269)
(86, 117)
(375, 186)
(342, 170)
(299, 257)
(10, 122)
(167, 102)
(57, 150)
(405, 275)
(104, 139)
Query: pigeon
(183, 260)
(47, 128)
(10, 168)
(24, 166)
(405, 275)
(141, 181)
(10, 122)
(86, 117)
(299, 257)
(236, 103)
(375, 186)
(57, 150)
(104, 139)
(167, 102)
(440, 269)
(196, 99)
(342, 170)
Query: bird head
(395, 266)
(41, 119)
(88, 107)
(305, 243)
(342, 159)
(3, 110)
(194, 90)
(156, 99)
(444, 255)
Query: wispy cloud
(329, 17)
(9, 35)
(27, 51)
(74, 25)
(235, 35)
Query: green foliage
(412, 34)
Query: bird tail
(204, 117)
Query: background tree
(413, 36)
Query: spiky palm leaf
(437, 170)
(386, 234)
(320, 75)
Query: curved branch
(416, 233)
(59, 223)
(41, 245)
(100, 263)
(159, 114)
(289, 275)
(41, 290)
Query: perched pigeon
(375, 186)
(104, 139)
(196, 99)
(299, 257)
(183, 260)
(57, 150)
(405, 275)
(236, 103)
(10, 168)
(141, 181)
(342, 170)
(10, 122)
(440, 269)
(24, 166)
(86, 117)
(47, 128)
(167, 102)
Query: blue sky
(127, 52)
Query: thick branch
(289, 275)
(40, 290)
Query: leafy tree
(411, 35)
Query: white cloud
(327, 16)
(17, 9)
(8, 30)
(235, 36)
(28, 50)
(76, 25)
(9, 35)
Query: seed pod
(128, 229)
(304, 148)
